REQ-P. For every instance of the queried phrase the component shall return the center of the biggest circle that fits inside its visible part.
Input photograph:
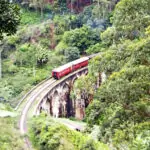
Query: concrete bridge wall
(57, 101)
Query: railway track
(27, 104)
(37, 92)
(32, 99)
(24, 98)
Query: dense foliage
(81, 38)
(52, 135)
(10, 138)
(131, 17)
(9, 18)
(29, 56)
(72, 53)
(27, 59)
(121, 105)
(50, 35)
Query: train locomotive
(61, 71)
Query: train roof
(61, 68)
(80, 60)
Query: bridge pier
(57, 101)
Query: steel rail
(29, 103)
(35, 94)
(56, 83)
(28, 93)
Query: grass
(10, 137)
(30, 17)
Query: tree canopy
(81, 38)
(131, 17)
(9, 18)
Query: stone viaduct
(57, 102)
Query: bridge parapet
(56, 102)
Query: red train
(70, 67)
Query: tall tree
(9, 20)
(103, 8)
(39, 4)
(72, 53)
(131, 17)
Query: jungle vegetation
(121, 105)
(52, 33)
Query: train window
(55, 74)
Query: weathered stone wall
(58, 102)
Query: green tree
(72, 53)
(109, 36)
(39, 4)
(103, 8)
(9, 20)
(31, 56)
(81, 38)
(47, 134)
(131, 17)
(10, 137)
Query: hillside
(53, 33)
(121, 105)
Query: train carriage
(69, 67)
(79, 63)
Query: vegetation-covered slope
(29, 55)
(49, 135)
(10, 137)
(121, 105)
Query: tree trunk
(34, 71)
(0, 64)
(42, 12)
(99, 15)
(71, 6)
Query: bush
(60, 48)
(95, 48)
(81, 38)
(13, 40)
(72, 53)
(24, 47)
(29, 17)
(48, 134)
(10, 138)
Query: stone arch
(49, 95)
(65, 88)
(65, 97)
(46, 106)
(49, 99)
(73, 80)
(55, 104)
(56, 100)
(86, 72)
(55, 93)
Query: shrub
(13, 40)
(72, 53)
(52, 135)
(81, 38)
